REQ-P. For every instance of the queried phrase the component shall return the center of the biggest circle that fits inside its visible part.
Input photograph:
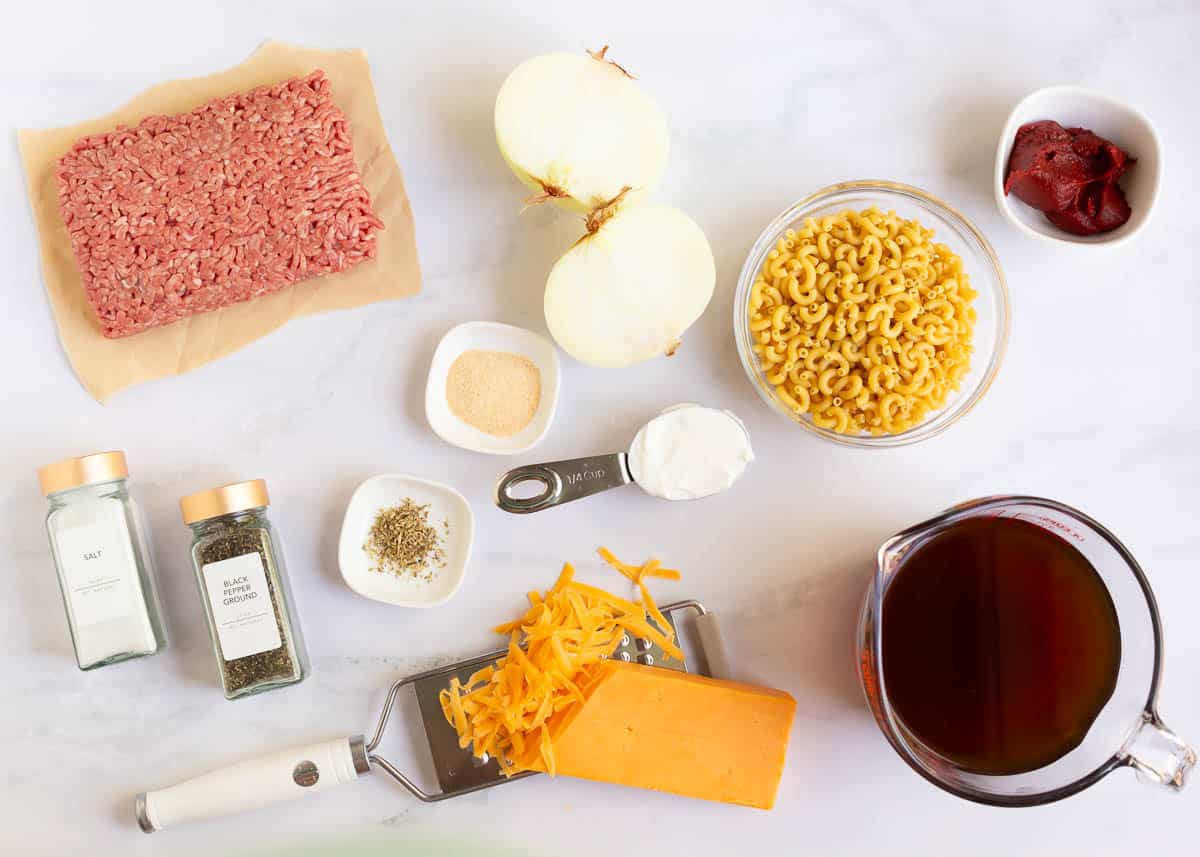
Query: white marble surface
(1097, 405)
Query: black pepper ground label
(403, 542)
(276, 664)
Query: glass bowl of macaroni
(967, 360)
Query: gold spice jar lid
(225, 500)
(85, 470)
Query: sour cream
(689, 451)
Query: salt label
(98, 565)
(241, 606)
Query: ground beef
(236, 199)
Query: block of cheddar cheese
(671, 731)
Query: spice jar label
(241, 606)
(97, 565)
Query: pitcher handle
(1157, 755)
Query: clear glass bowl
(952, 229)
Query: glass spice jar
(239, 566)
(103, 564)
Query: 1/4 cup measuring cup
(1126, 733)
(685, 453)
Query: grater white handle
(713, 645)
(254, 783)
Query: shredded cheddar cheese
(503, 709)
(653, 568)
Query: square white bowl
(1077, 107)
(491, 336)
(445, 504)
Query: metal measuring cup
(575, 478)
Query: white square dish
(445, 505)
(1077, 107)
(491, 336)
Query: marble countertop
(1097, 405)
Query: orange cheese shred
(459, 716)
(627, 570)
(564, 577)
(636, 573)
(664, 573)
(652, 608)
(507, 627)
(503, 709)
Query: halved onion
(628, 290)
(577, 129)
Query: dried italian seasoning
(403, 542)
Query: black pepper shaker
(244, 588)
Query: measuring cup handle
(254, 783)
(1157, 755)
(562, 481)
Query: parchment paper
(105, 366)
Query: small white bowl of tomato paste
(1077, 166)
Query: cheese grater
(312, 768)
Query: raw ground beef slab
(241, 197)
(105, 366)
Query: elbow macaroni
(868, 323)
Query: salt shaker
(100, 554)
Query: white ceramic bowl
(491, 336)
(1076, 107)
(445, 504)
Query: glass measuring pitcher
(1126, 733)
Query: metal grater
(458, 771)
(287, 774)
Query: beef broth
(1000, 645)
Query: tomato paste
(1071, 175)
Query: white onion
(628, 290)
(578, 130)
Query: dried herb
(403, 542)
(276, 665)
